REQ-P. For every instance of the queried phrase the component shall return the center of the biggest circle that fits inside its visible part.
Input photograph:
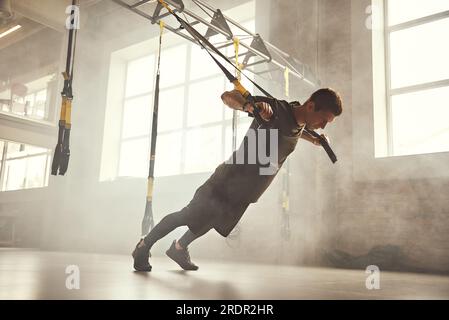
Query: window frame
(185, 128)
(4, 159)
(368, 160)
(389, 91)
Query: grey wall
(396, 201)
(333, 209)
(394, 208)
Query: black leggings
(168, 224)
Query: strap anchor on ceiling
(219, 21)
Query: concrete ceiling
(49, 13)
(34, 16)
(29, 27)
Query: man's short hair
(328, 100)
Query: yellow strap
(64, 100)
(238, 74)
(286, 75)
(161, 26)
(150, 189)
(68, 113)
(238, 86)
(286, 204)
(165, 5)
(63, 109)
(285, 200)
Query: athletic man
(221, 201)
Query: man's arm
(234, 100)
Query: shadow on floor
(387, 257)
(196, 287)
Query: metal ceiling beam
(262, 51)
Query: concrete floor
(31, 274)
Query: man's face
(318, 119)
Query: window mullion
(419, 21)
(187, 85)
(3, 167)
(420, 87)
(25, 180)
(117, 171)
(47, 169)
(390, 145)
(223, 127)
(28, 156)
(137, 96)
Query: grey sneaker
(141, 255)
(181, 257)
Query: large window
(417, 76)
(23, 166)
(194, 128)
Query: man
(221, 201)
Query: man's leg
(142, 251)
(179, 251)
(189, 237)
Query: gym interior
(372, 225)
